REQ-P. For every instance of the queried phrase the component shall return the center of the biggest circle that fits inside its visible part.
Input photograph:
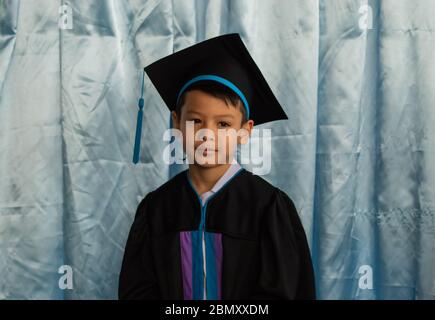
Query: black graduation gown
(264, 251)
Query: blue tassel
(136, 151)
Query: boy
(216, 231)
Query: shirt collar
(231, 171)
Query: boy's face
(215, 125)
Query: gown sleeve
(286, 270)
(137, 279)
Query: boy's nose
(208, 136)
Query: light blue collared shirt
(231, 171)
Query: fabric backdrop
(357, 155)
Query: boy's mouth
(209, 151)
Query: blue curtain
(357, 155)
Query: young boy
(216, 231)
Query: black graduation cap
(224, 59)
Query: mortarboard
(224, 59)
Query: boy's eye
(224, 124)
(195, 120)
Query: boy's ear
(246, 131)
(175, 120)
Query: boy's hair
(217, 90)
